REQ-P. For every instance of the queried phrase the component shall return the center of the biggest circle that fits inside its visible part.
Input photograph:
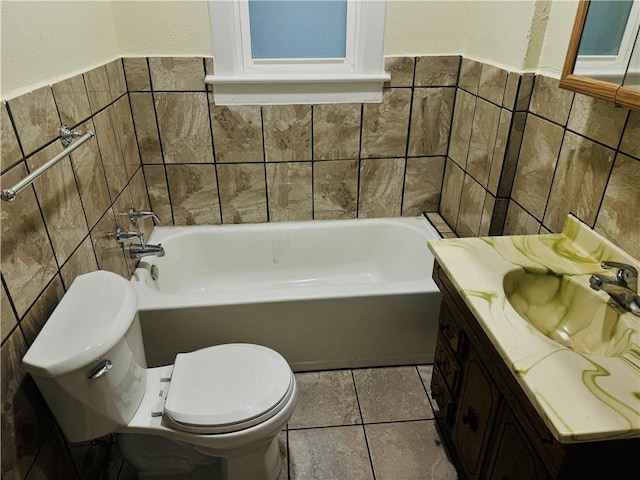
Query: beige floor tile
(408, 451)
(425, 372)
(329, 453)
(391, 394)
(325, 399)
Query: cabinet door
(478, 405)
(513, 457)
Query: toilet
(215, 413)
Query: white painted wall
(43, 42)
(426, 27)
(162, 28)
(556, 40)
(499, 31)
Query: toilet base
(156, 457)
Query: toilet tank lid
(92, 317)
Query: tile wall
(489, 115)
(579, 155)
(524, 153)
(206, 163)
(55, 230)
(507, 151)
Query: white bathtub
(325, 294)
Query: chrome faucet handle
(135, 215)
(124, 235)
(627, 275)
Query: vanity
(536, 375)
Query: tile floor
(357, 424)
(373, 423)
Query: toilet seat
(226, 388)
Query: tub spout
(139, 251)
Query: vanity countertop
(581, 397)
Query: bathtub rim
(150, 300)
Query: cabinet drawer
(440, 394)
(445, 362)
(450, 330)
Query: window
(297, 51)
(607, 44)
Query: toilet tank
(88, 360)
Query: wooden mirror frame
(618, 94)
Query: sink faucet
(142, 250)
(622, 288)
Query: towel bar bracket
(67, 136)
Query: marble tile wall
(207, 163)
(524, 153)
(579, 155)
(55, 230)
(486, 133)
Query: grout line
(264, 164)
(508, 142)
(9, 298)
(135, 133)
(11, 332)
(359, 159)
(321, 427)
(555, 169)
(288, 453)
(44, 442)
(213, 150)
(313, 155)
(15, 132)
(364, 432)
(303, 161)
(426, 389)
(406, 147)
(164, 163)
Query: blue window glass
(298, 28)
(604, 27)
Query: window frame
(240, 79)
(613, 68)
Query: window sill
(278, 89)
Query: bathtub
(325, 294)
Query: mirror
(603, 59)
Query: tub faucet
(135, 215)
(622, 287)
(142, 250)
(123, 235)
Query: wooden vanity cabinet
(512, 456)
(488, 423)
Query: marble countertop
(581, 397)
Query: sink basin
(569, 312)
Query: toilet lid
(226, 384)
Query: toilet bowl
(215, 413)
